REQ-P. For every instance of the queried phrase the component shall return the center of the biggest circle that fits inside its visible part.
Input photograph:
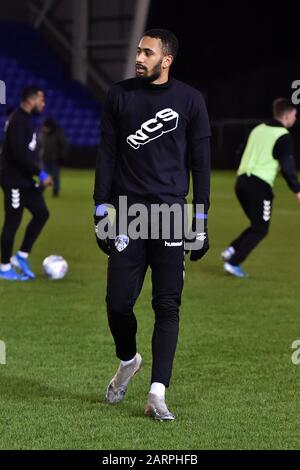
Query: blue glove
(43, 176)
(101, 213)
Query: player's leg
(241, 194)
(35, 203)
(167, 282)
(260, 199)
(13, 209)
(167, 264)
(53, 169)
(126, 272)
(258, 231)
(56, 179)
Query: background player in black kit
(18, 167)
(154, 130)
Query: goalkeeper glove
(199, 243)
(101, 213)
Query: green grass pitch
(234, 385)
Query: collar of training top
(274, 123)
(26, 113)
(161, 86)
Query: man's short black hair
(282, 106)
(168, 39)
(29, 91)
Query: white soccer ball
(55, 267)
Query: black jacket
(52, 147)
(19, 156)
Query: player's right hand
(298, 197)
(48, 181)
(45, 179)
(99, 214)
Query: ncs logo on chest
(164, 121)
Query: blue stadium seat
(28, 59)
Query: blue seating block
(26, 58)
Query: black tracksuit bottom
(15, 201)
(255, 197)
(126, 273)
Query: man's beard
(156, 72)
(35, 112)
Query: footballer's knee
(166, 308)
(261, 230)
(42, 216)
(10, 226)
(117, 308)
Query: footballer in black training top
(18, 166)
(155, 130)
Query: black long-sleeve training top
(284, 152)
(151, 137)
(19, 156)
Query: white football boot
(156, 408)
(118, 385)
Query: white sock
(158, 389)
(231, 250)
(127, 363)
(23, 254)
(5, 267)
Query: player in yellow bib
(269, 149)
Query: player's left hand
(298, 197)
(199, 228)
